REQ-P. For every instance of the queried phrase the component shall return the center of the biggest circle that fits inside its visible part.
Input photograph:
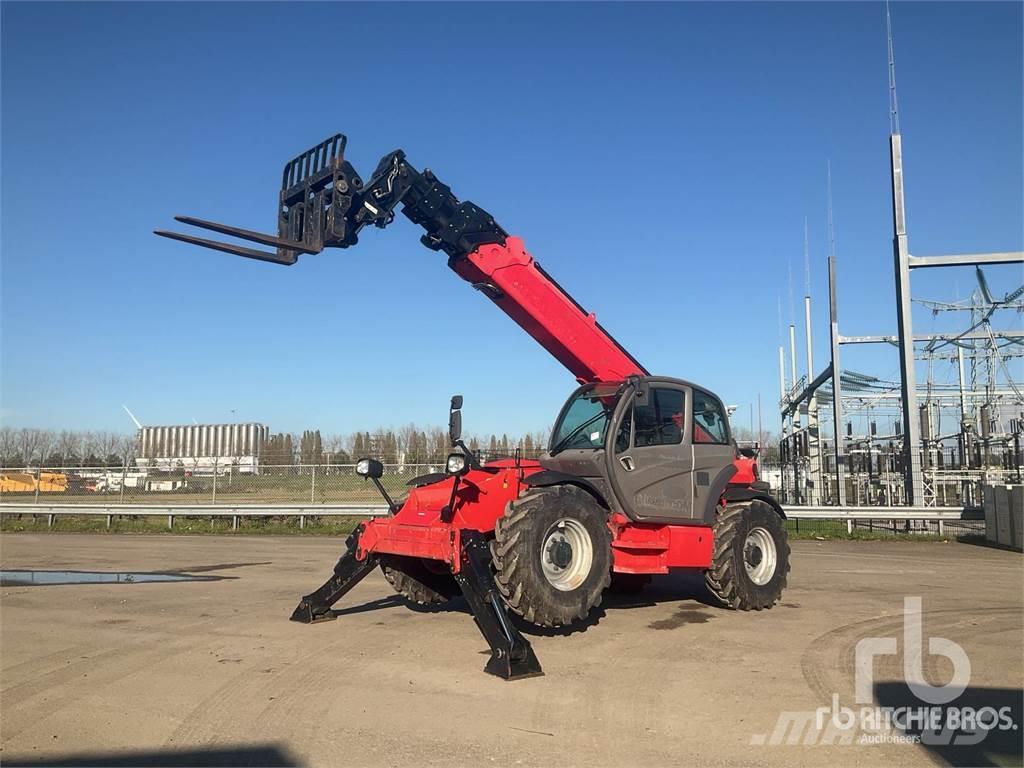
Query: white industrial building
(202, 448)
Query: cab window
(660, 422)
(709, 423)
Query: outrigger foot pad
(348, 572)
(512, 657)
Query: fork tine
(235, 250)
(246, 234)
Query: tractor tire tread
(511, 534)
(412, 580)
(727, 579)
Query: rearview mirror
(455, 420)
(455, 426)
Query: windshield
(585, 418)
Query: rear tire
(418, 581)
(552, 554)
(751, 557)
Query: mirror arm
(447, 510)
(387, 497)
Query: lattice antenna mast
(894, 109)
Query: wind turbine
(132, 416)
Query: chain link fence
(325, 484)
(871, 529)
(287, 484)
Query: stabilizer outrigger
(512, 657)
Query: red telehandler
(641, 476)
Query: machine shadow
(996, 747)
(261, 755)
(683, 587)
(686, 588)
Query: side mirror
(455, 427)
(370, 468)
(455, 420)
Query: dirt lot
(211, 672)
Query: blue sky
(659, 161)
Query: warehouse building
(202, 448)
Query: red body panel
(648, 548)
(746, 471)
(417, 529)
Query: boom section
(324, 204)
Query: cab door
(713, 451)
(650, 455)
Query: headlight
(456, 464)
(369, 468)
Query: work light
(369, 468)
(456, 464)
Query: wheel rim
(566, 554)
(760, 556)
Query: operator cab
(658, 449)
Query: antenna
(792, 313)
(831, 224)
(138, 424)
(894, 109)
(780, 318)
(807, 262)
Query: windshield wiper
(575, 432)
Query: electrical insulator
(986, 421)
(926, 424)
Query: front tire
(552, 555)
(751, 557)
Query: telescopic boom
(324, 204)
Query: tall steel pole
(912, 477)
(785, 432)
(814, 457)
(837, 388)
(795, 416)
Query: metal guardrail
(876, 513)
(170, 511)
(302, 511)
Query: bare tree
(86, 445)
(127, 448)
(67, 444)
(8, 445)
(107, 444)
(28, 442)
